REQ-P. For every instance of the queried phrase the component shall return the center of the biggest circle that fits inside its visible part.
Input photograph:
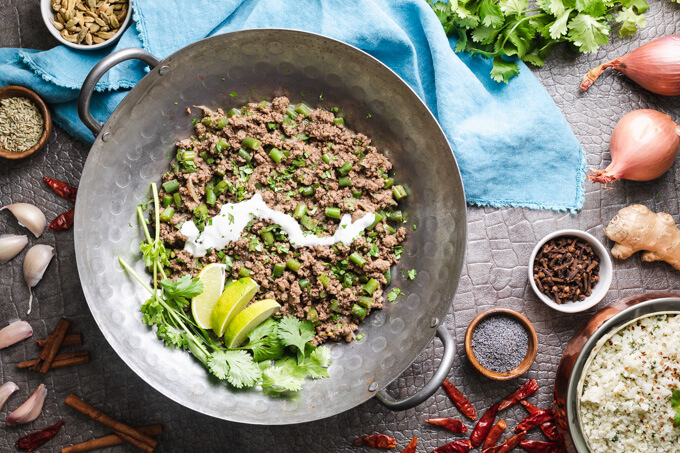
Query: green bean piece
(346, 167)
(167, 201)
(339, 121)
(228, 262)
(313, 315)
(178, 199)
(207, 121)
(276, 155)
(304, 109)
(332, 213)
(278, 270)
(357, 259)
(388, 276)
(335, 306)
(300, 210)
(358, 311)
(371, 286)
(267, 237)
(326, 158)
(220, 146)
(324, 279)
(378, 219)
(201, 211)
(391, 229)
(252, 143)
(221, 187)
(363, 279)
(245, 154)
(399, 192)
(365, 301)
(395, 216)
(210, 197)
(222, 123)
(167, 214)
(204, 156)
(171, 186)
(308, 222)
(307, 191)
(344, 181)
(291, 112)
(233, 112)
(262, 104)
(293, 264)
(304, 283)
(243, 272)
(356, 193)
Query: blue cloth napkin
(512, 144)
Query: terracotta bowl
(524, 366)
(17, 91)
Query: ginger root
(636, 228)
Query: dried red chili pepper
(535, 419)
(464, 406)
(452, 424)
(483, 426)
(538, 446)
(457, 446)
(411, 447)
(495, 434)
(63, 221)
(376, 441)
(511, 443)
(62, 189)
(529, 387)
(35, 440)
(549, 428)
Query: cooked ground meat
(321, 164)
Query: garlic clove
(11, 245)
(28, 216)
(6, 391)
(30, 410)
(36, 261)
(15, 332)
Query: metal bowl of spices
(501, 344)
(25, 122)
(570, 270)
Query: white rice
(628, 380)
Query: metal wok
(131, 150)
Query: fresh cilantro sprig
(500, 29)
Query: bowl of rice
(625, 380)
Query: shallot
(15, 332)
(36, 261)
(28, 216)
(6, 391)
(11, 245)
(30, 410)
(643, 146)
(654, 66)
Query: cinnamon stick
(125, 432)
(62, 360)
(110, 440)
(72, 339)
(54, 342)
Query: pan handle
(97, 72)
(434, 383)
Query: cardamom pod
(81, 7)
(101, 23)
(97, 40)
(64, 4)
(81, 35)
(92, 4)
(113, 20)
(105, 18)
(109, 11)
(106, 34)
(56, 6)
(88, 39)
(121, 14)
(71, 23)
(68, 15)
(58, 25)
(94, 28)
(88, 20)
(60, 18)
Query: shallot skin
(654, 66)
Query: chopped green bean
(308, 222)
(313, 315)
(222, 123)
(293, 264)
(332, 213)
(371, 286)
(339, 121)
(252, 143)
(201, 211)
(391, 229)
(267, 237)
(300, 210)
(365, 301)
(210, 197)
(220, 146)
(388, 276)
(171, 186)
(278, 270)
(167, 214)
(356, 193)
(276, 155)
(344, 181)
(378, 219)
(307, 191)
(233, 112)
(291, 112)
(399, 192)
(243, 272)
(324, 279)
(303, 109)
(221, 187)
(304, 283)
(335, 306)
(167, 201)
(346, 167)
(326, 158)
(363, 279)
(357, 259)
(395, 216)
(178, 199)
(389, 182)
(358, 311)
(262, 104)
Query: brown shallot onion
(654, 66)
(643, 146)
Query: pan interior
(258, 65)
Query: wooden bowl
(17, 91)
(532, 349)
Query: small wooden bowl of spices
(501, 344)
(570, 270)
(25, 122)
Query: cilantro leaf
(554, 7)
(559, 27)
(276, 381)
(264, 342)
(185, 286)
(412, 274)
(503, 70)
(588, 33)
(630, 21)
(510, 7)
(490, 13)
(592, 7)
(171, 336)
(320, 359)
(293, 332)
(237, 367)
(392, 295)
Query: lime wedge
(212, 277)
(234, 298)
(249, 318)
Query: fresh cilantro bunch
(499, 29)
(282, 355)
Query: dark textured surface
(499, 243)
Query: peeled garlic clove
(14, 333)
(6, 391)
(30, 410)
(11, 245)
(37, 259)
(28, 216)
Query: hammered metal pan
(132, 148)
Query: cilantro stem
(140, 214)
(132, 272)
(156, 207)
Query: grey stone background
(499, 243)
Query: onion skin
(643, 146)
(654, 66)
